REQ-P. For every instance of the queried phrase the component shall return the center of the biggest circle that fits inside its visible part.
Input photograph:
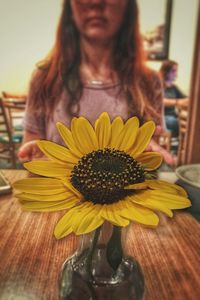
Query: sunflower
(101, 175)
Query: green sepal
(150, 176)
(114, 250)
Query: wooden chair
(165, 140)
(8, 95)
(10, 140)
(16, 106)
(182, 117)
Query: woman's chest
(90, 106)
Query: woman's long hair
(60, 70)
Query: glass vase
(99, 269)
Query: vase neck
(106, 230)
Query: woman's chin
(98, 36)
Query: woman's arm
(33, 122)
(168, 102)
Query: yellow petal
(84, 136)
(90, 221)
(48, 168)
(48, 206)
(172, 201)
(137, 186)
(126, 209)
(57, 152)
(82, 210)
(166, 186)
(150, 160)
(116, 127)
(143, 138)
(68, 139)
(122, 210)
(66, 223)
(49, 198)
(128, 134)
(112, 215)
(41, 186)
(145, 201)
(139, 214)
(70, 187)
(73, 121)
(103, 130)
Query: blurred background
(27, 30)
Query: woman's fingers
(167, 156)
(29, 151)
(149, 148)
(158, 130)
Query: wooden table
(30, 257)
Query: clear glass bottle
(99, 270)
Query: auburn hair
(60, 69)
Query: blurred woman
(96, 65)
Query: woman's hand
(167, 156)
(29, 151)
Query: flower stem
(91, 252)
(114, 248)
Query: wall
(27, 30)
(182, 39)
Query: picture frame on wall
(155, 21)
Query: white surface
(167, 176)
(189, 174)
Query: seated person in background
(95, 65)
(172, 95)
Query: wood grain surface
(31, 258)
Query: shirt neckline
(101, 86)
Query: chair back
(165, 140)
(8, 95)
(183, 119)
(15, 104)
(9, 141)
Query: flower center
(101, 175)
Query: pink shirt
(95, 100)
